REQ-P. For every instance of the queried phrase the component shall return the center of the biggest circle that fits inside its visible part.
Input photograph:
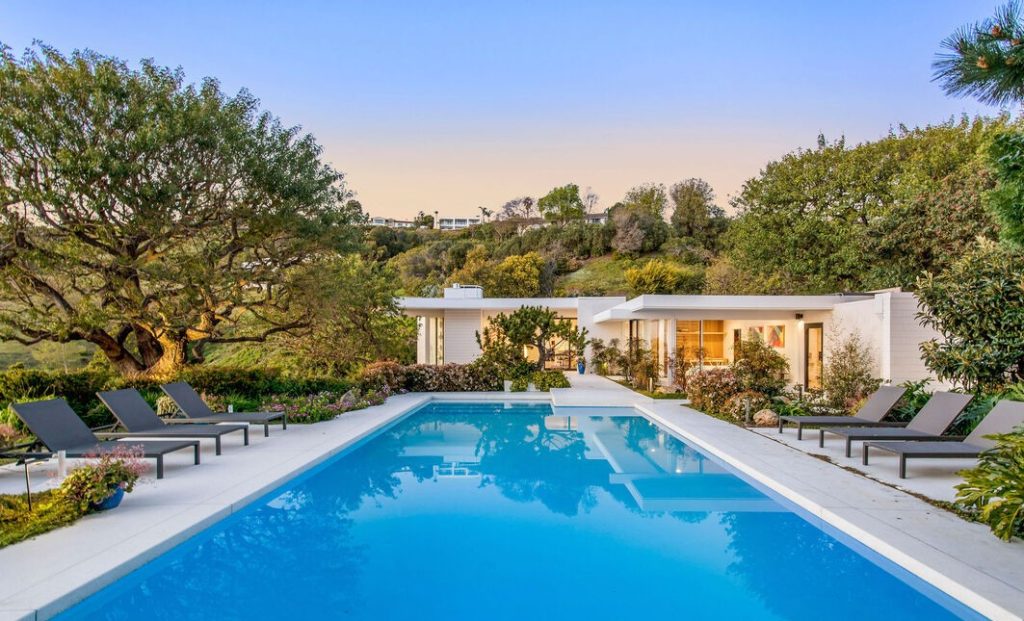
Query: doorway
(814, 347)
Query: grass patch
(600, 276)
(49, 511)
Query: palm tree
(986, 59)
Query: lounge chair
(196, 410)
(59, 428)
(869, 415)
(135, 415)
(934, 418)
(1004, 418)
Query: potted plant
(102, 484)
(577, 345)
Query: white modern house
(392, 223)
(681, 327)
(455, 224)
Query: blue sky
(449, 105)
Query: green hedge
(80, 387)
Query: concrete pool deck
(57, 569)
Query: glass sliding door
(814, 349)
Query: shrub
(541, 380)
(94, 482)
(709, 390)
(640, 365)
(760, 368)
(8, 435)
(661, 276)
(911, 402)
(380, 374)
(976, 306)
(994, 489)
(607, 359)
(50, 510)
(848, 375)
(736, 406)
(323, 406)
(474, 377)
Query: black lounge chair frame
(934, 418)
(197, 412)
(1004, 418)
(135, 415)
(880, 403)
(58, 428)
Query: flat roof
(651, 305)
(647, 305)
(435, 304)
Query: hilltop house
(679, 327)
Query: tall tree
(355, 318)
(562, 204)
(151, 217)
(694, 213)
(521, 207)
(650, 197)
(876, 215)
(986, 60)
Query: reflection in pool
(500, 511)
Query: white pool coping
(56, 570)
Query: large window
(700, 341)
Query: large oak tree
(150, 216)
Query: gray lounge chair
(1004, 418)
(934, 418)
(196, 410)
(869, 415)
(135, 415)
(59, 428)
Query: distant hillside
(601, 276)
(46, 355)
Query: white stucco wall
(889, 325)
(460, 328)
(588, 307)
(905, 337)
(864, 317)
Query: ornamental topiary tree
(150, 217)
(506, 338)
(977, 306)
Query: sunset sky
(451, 105)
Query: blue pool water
(488, 511)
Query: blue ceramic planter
(112, 501)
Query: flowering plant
(8, 435)
(94, 482)
(710, 389)
(323, 406)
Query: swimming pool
(511, 511)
